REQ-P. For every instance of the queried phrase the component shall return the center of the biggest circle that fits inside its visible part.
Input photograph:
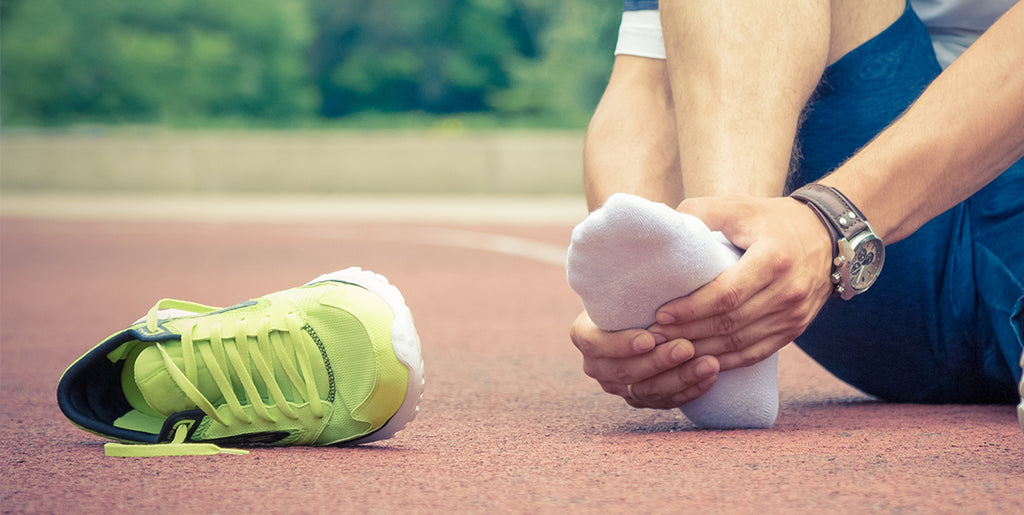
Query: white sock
(629, 258)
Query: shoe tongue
(160, 391)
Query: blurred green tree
(535, 58)
(66, 61)
(566, 80)
(437, 56)
(173, 60)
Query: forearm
(741, 75)
(963, 131)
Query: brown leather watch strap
(858, 253)
(842, 218)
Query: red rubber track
(508, 423)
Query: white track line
(467, 239)
(240, 209)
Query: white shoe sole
(404, 340)
(1020, 407)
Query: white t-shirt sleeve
(956, 24)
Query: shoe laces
(247, 348)
(176, 447)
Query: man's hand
(770, 296)
(645, 370)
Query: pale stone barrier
(322, 162)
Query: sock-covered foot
(629, 258)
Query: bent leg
(719, 116)
(741, 115)
(630, 146)
(738, 98)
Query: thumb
(728, 215)
(718, 213)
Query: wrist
(817, 242)
(858, 252)
(867, 181)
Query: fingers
(768, 296)
(750, 344)
(598, 344)
(785, 264)
(767, 315)
(723, 323)
(676, 386)
(647, 372)
(753, 354)
(618, 372)
(732, 289)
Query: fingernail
(681, 353)
(704, 369)
(643, 343)
(665, 318)
(659, 338)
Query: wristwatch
(858, 252)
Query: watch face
(867, 263)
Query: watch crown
(836, 278)
(840, 289)
(839, 261)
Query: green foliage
(576, 56)
(125, 60)
(185, 61)
(398, 55)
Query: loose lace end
(166, 449)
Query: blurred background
(293, 96)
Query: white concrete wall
(322, 162)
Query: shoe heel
(404, 340)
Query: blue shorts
(943, 322)
(639, 5)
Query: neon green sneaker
(334, 361)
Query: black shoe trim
(194, 419)
(90, 396)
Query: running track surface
(508, 423)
